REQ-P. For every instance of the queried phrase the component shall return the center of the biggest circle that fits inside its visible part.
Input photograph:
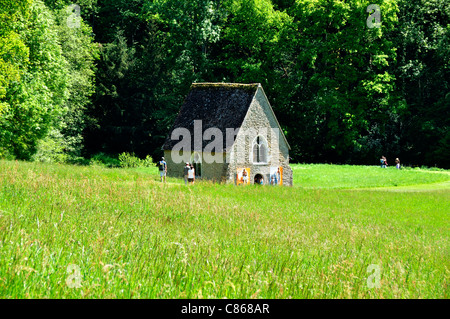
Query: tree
(37, 99)
(343, 87)
(423, 73)
(80, 53)
(13, 51)
(151, 53)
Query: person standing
(191, 175)
(383, 162)
(162, 169)
(186, 173)
(397, 163)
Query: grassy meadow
(130, 236)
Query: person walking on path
(186, 173)
(383, 162)
(162, 169)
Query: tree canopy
(82, 77)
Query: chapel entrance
(258, 179)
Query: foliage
(13, 51)
(424, 80)
(128, 160)
(47, 101)
(101, 159)
(343, 85)
(38, 99)
(80, 52)
(343, 92)
(51, 149)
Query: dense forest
(87, 77)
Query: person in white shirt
(191, 175)
(185, 171)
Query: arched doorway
(258, 179)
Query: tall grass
(134, 237)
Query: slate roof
(220, 105)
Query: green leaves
(423, 74)
(49, 81)
(343, 91)
(13, 52)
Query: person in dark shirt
(162, 169)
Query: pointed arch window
(260, 150)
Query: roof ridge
(225, 85)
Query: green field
(131, 236)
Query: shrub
(125, 159)
(148, 161)
(4, 154)
(129, 160)
(51, 149)
(102, 159)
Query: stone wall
(215, 171)
(173, 169)
(259, 120)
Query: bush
(125, 160)
(148, 161)
(128, 160)
(4, 154)
(102, 159)
(51, 149)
